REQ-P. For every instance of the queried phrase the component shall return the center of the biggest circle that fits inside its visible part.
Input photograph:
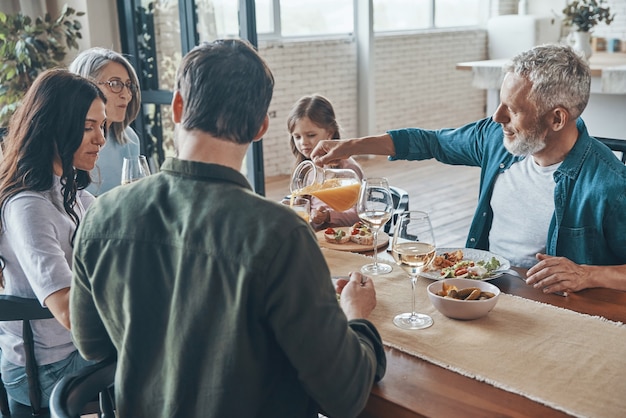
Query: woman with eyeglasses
(52, 144)
(118, 81)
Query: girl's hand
(321, 215)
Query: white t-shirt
(523, 205)
(36, 246)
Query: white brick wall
(504, 7)
(416, 81)
(300, 68)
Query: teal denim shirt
(589, 222)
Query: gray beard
(525, 145)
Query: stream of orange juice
(334, 194)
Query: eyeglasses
(116, 86)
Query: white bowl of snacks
(463, 298)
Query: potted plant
(27, 48)
(583, 15)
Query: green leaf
(27, 47)
(11, 72)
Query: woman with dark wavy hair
(52, 143)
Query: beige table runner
(566, 360)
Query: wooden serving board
(383, 241)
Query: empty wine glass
(374, 207)
(134, 168)
(413, 248)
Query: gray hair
(91, 63)
(559, 77)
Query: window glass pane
(158, 119)
(319, 17)
(225, 16)
(395, 15)
(264, 10)
(207, 21)
(159, 43)
(449, 13)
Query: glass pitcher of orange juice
(337, 187)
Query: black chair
(400, 204)
(13, 308)
(74, 391)
(617, 145)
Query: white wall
(545, 7)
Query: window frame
(276, 33)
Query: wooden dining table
(413, 387)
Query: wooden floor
(447, 193)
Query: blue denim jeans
(14, 377)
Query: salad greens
(470, 269)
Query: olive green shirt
(216, 302)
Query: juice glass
(300, 205)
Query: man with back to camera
(552, 198)
(217, 302)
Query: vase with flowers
(583, 16)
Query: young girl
(311, 120)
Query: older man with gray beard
(552, 198)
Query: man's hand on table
(358, 296)
(558, 274)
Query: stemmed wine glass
(413, 248)
(375, 207)
(134, 168)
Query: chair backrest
(75, 390)
(400, 204)
(617, 145)
(13, 308)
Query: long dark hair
(320, 111)
(50, 122)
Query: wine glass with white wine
(375, 207)
(134, 168)
(413, 248)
